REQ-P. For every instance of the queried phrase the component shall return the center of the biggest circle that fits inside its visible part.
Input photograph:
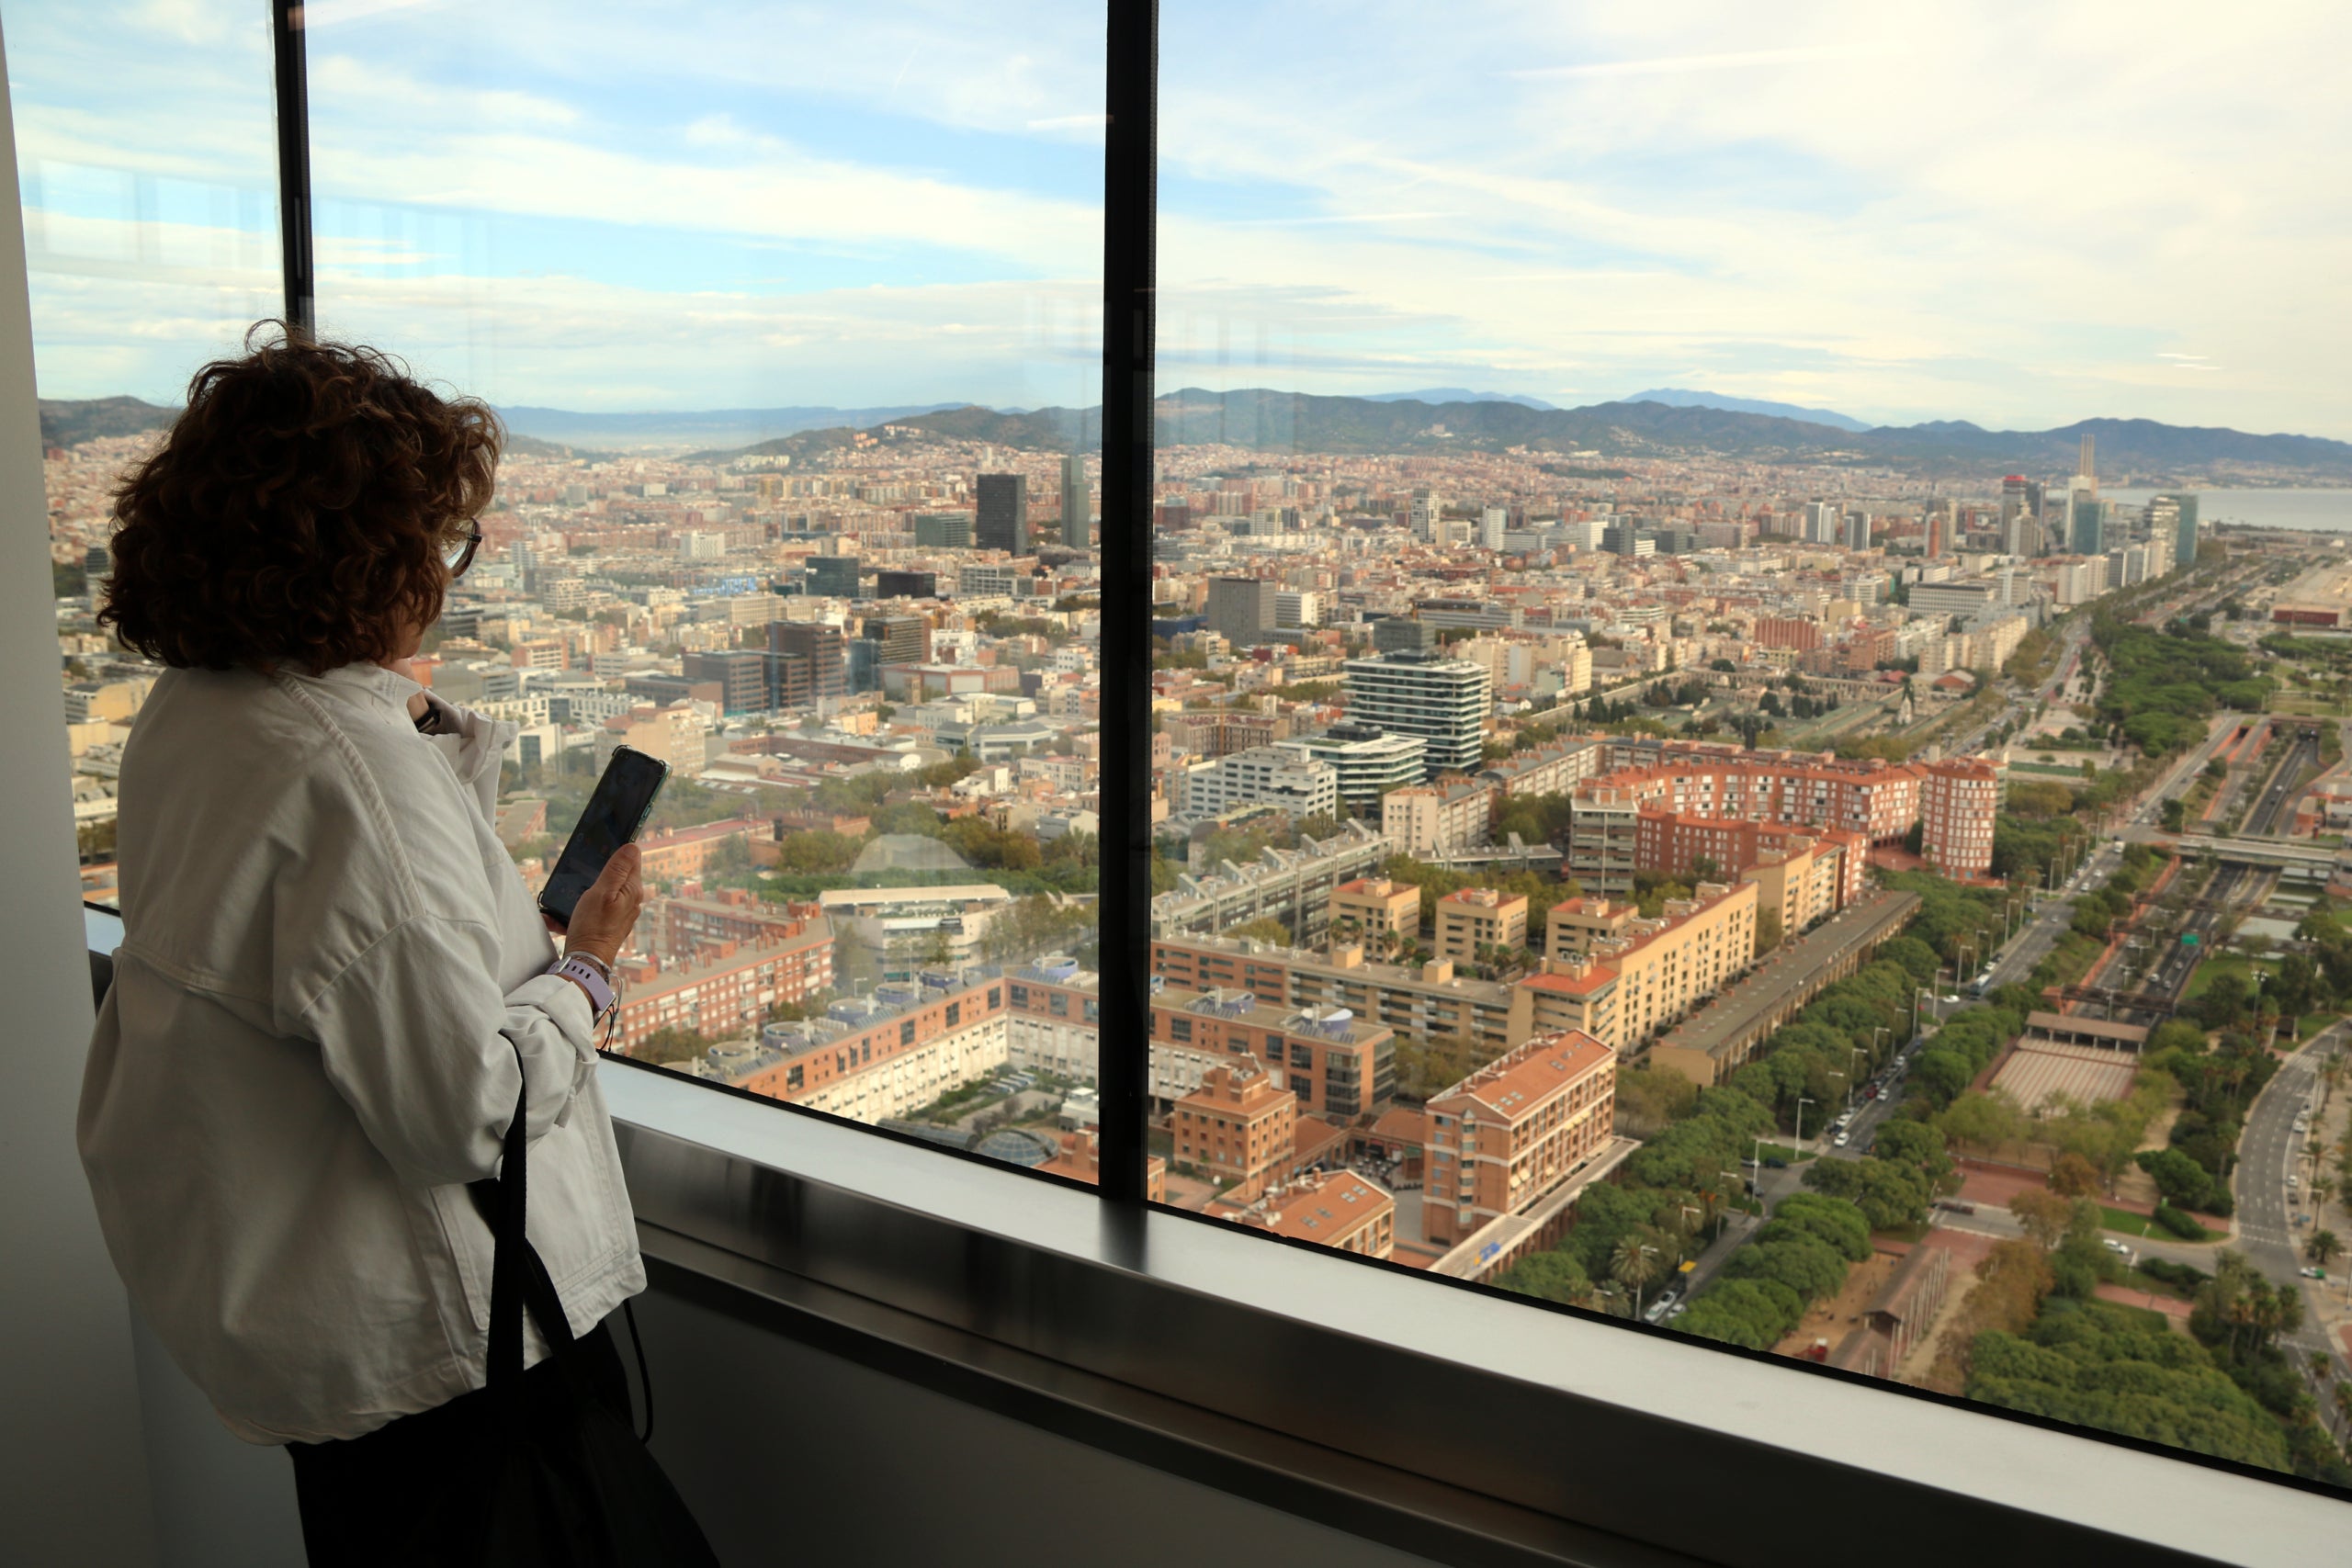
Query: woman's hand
(608, 912)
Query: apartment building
(722, 988)
(1439, 818)
(1053, 1019)
(1554, 769)
(887, 1054)
(1642, 975)
(1959, 804)
(681, 925)
(1080, 1160)
(1375, 906)
(1261, 775)
(1235, 1128)
(1336, 1209)
(1443, 701)
(1427, 1001)
(1332, 1063)
(1291, 885)
(1476, 917)
(1871, 796)
(1502, 1136)
(1805, 875)
(675, 854)
(1679, 843)
(1369, 761)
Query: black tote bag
(572, 1485)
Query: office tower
(1675, 539)
(944, 531)
(2087, 523)
(1402, 633)
(1820, 524)
(1297, 609)
(1241, 609)
(1370, 761)
(1939, 520)
(1492, 522)
(2089, 470)
(1075, 533)
(1443, 701)
(2015, 518)
(1622, 537)
(898, 639)
(906, 585)
(834, 577)
(1858, 530)
(2184, 529)
(1426, 513)
(808, 663)
(1003, 517)
(742, 675)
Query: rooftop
(1514, 1084)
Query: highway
(2273, 1219)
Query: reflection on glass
(1646, 804)
(798, 502)
(147, 163)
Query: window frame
(676, 1168)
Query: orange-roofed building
(1238, 1127)
(1082, 1160)
(1378, 906)
(1341, 1209)
(1475, 917)
(1509, 1130)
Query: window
(878, 662)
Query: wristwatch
(591, 978)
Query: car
(1844, 1138)
(1660, 1307)
(2294, 1182)
(1949, 999)
(1774, 1162)
(2114, 1246)
(2309, 1273)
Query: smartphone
(624, 798)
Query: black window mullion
(294, 166)
(1130, 160)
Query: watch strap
(599, 989)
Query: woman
(332, 984)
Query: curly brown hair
(297, 511)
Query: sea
(2315, 511)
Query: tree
(1552, 1276)
(2043, 1215)
(1635, 1262)
(667, 1046)
(2074, 1177)
(1265, 928)
(2324, 1248)
(1767, 931)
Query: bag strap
(518, 1276)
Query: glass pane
(797, 500)
(147, 159)
(1701, 554)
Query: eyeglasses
(460, 555)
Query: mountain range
(1682, 398)
(1262, 420)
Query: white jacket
(330, 966)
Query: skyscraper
(2088, 518)
(1003, 520)
(1491, 524)
(1427, 514)
(1075, 533)
(2184, 547)
(1858, 530)
(2016, 517)
(808, 662)
(1443, 701)
(1241, 609)
(1820, 523)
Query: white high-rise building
(1491, 524)
(1444, 701)
(1820, 523)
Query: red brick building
(1957, 807)
(1502, 1135)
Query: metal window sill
(1577, 1425)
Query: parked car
(2310, 1273)
(1870, 1091)
(2293, 1182)
(1844, 1138)
(1774, 1162)
(1957, 1205)
(1660, 1307)
(2117, 1247)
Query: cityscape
(1861, 908)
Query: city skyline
(1571, 208)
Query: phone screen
(611, 818)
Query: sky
(2019, 214)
